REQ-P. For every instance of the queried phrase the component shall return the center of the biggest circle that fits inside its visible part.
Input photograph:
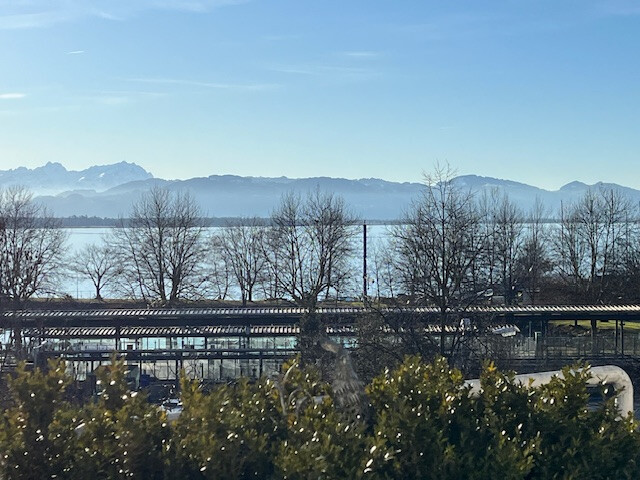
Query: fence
(561, 347)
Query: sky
(539, 91)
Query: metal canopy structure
(214, 331)
(223, 343)
(288, 316)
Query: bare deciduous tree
(589, 243)
(31, 251)
(484, 270)
(438, 244)
(161, 247)
(534, 261)
(627, 278)
(310, 246)
(241, 247)
(502, 226)
(100, 264)
(383, 274)
(309, 249)
(508, 241)
(218, 274)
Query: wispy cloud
(43, 13)
(110, 16)
(13, 21)
(115, 98)
(201, 84)
(133, 93)
(327, 71)
(104, 98)
(282, 37)
(361, 54)
(455, 25)
(76, 52)
(25, 112)
(12, 96)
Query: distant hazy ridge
(109, 190)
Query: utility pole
(364, 264)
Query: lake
(79, 286)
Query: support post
(364, 264)
(118, 337)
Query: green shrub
(121, 434)
(575, 441)
(320, 442)
(423, 424)
(35, 431)
(427, 426)
(231, 432)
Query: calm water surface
(79, 287)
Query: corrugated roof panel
(214, 314)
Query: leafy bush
(232, 432)
(320, 442)
(422, 424)
(35, 434)
(120, 435)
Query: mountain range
(54, 178)
(109, 191)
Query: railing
(559, 347)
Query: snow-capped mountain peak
(53, 178)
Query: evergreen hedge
(421, 424)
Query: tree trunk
(443, 322)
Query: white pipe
(609, 374)
(173, 416)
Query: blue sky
(538, 91)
